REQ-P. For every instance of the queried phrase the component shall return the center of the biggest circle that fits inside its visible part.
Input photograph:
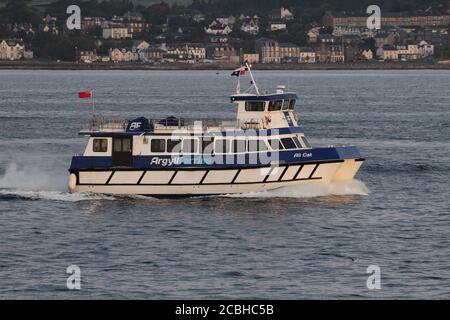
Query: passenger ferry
(264, 148)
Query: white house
(115, 31)
(11, 50)
(367, 54)
(218, 29)
(426, 50)
(277, 26)
(250, 26)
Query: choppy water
(295, 243)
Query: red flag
(239, 72)
(85, 95)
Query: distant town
(162, 34)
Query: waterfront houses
(289, 52)
(88, 56)
(123, 55)
(307, 55)
(269, 50)
(11, 50)
(194, 35)
(190, 51)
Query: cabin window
(190, 146)
(207, 146)
(100, 145)
(306, 143)
(276, 144)
(286, 105)
(158, 145)
(275, 105)
(238, 146)
(173, 146)
(254, 106)
(257, 145)
(222, 146)
(292, 104)
(297, 142)
(288, 143)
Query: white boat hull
(194, 182)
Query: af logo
(135, 126)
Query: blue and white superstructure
(264, 148)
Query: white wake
(37, 184)
(312, 190)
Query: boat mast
(248, 67)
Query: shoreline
(44, 65)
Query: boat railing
(103, 124)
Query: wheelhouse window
(190, 146)
(173, 146)
(207, 146)
(158, 145)
(275, 144)
(288, 143)
(222, 146)
(292, 104)
(275, 105)
(286, 105)
(254, 106)
(100, 145)
(297, 142)
(306, 143)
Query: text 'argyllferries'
(264, 148)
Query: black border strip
(204, 177)
(173, 178)
(235, 177)
(110, 177)
(190, 184)
(298, 172)
(314, 171)
(282, 175)
(142, 177)
(268, 174)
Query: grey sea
(295, 243)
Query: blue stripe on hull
(201, 162)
